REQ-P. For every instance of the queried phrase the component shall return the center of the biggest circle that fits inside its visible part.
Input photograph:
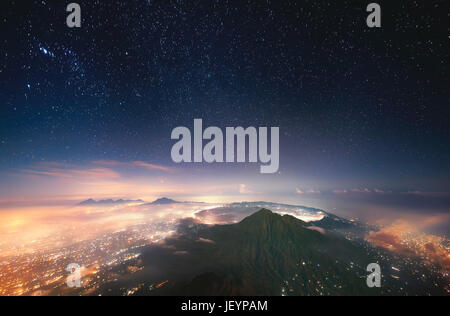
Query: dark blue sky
(362, 107)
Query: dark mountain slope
(265, 253)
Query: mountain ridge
(257, 255)
(163, 201)
(108, 202)
(265, 254)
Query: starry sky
(361, 111)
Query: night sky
(358, 108)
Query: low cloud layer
(408, 239)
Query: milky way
(357, 107)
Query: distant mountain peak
(163, 201)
